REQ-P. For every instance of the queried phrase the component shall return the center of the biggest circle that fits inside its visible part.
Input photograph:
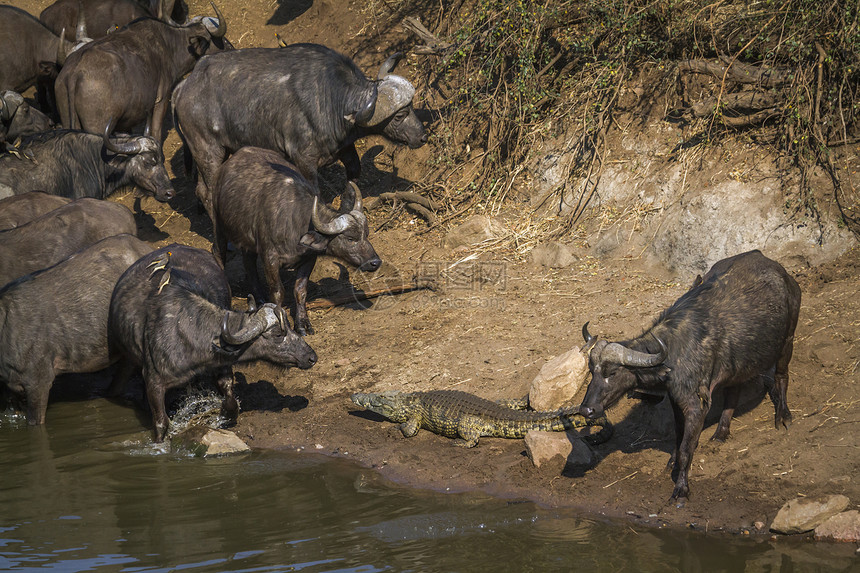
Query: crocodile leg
(469, 430)
(410, 428)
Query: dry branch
(432, 44)
(736, 101)
(737, 72)
(336, 299)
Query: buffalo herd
(83, 293)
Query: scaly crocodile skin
(467, 417)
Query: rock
(801, 515)
(543, 446)
(558, 380)
(843, 526)
(476, 229)
(554, 255)
(207, 442)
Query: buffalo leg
(300, 292)
(349, 157)
(36, 390)
(123, 372)
(219, 245)
(155, 390)
(272, 270)
(678, 414)
(229, 407)
(694, 419)
(779, 392)
(249, 261)
(730, 402)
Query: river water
(90, 492)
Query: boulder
(554, 255)
(803, 514)
(558, 381)
(543, 446)
(474, 230)
(203, 441)
(843, 526)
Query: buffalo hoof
(680, 502)
(304, 329)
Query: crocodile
(467, 417)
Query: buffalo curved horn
(388, 65)
(589, 338)
(252, 330)
(338, 225)
(81, 30)
(128, 148)
(393, 94)
(62, 49)
(619, 354)
(221, 30)
(282, 318)
(351, 201)
(252, 303)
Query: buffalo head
(145, 162)
(392, 113)
(266, 334)
(207, 33)
(18, 118)
(613, 369)
(343, 233)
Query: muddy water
(89, 492)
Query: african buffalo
(49, 239)
(77, 164)
(55, 321)
(19, 210)
(129, 75)
(18, 118)
(104, 15)
(31, 54)
(305, 100)
(263, 205)
(734, 324)
(170, 316)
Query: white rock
(843, 526)
(208, 442)
(476, 229)
(543, 446)
(558, 380)
(802, 514)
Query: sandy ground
(491, 338)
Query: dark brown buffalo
(60, 233)
(264, 206)
(170, 316)
(102, 16)
(55, 321)
(19, 210)
(129, 75)
(31, 54)
(305, 101)
(735, 323)
(18, 118)
(77, 164)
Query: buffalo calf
(170, 316)
(735, 323)
(264, 206)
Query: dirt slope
(491, 338)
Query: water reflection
(89, 492)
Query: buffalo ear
(198, 45)
(364, 108)
(314, 241)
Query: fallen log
(337, 299)
(737, 72)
